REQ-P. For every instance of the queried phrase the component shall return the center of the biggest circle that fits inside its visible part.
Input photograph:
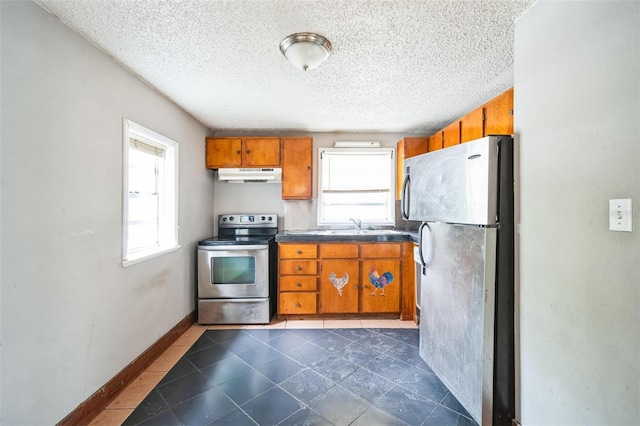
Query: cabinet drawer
(380, 250)
(298, 251)
(298, 267)
(297, 303)
(339, 251)
(298, 283)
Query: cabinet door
(259, 152)
(297, 157)
(297, 251)
(407, 147)
(451, 134)
(399, 168)
(297, 303)
(297, 283)
(377, 250)
(339, 286)
(339, 251)
(298, 267)
(414, 146)
(435, 142)
(381, 281)
(499, 115)
(224, 152)
(471, 125)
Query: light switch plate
(620, 213)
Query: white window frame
(391, 195)
(168, 234)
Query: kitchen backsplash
(300, 215)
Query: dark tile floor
(301, 377)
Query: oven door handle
(234, 247)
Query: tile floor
(331, 372)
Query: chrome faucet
(357, 222)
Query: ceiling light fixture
(305, 50)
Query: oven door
(233, 271)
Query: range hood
(245, 175)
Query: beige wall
(577, 116)
(72, 316)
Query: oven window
(233, 270)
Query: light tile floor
(124, 404)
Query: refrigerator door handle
(421, 241)
(404, 197)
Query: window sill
(149, 255)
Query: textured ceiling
(396, 66)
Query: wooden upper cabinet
(435, 142)
(297, 172)
(224, 152)
(499, 115)
(451, 134)
(261, 152)
(471, 125)
(407, 147)
(493, 118)
(414, 146)
(238, 152)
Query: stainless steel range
(237, 271)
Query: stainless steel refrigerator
(463, 195)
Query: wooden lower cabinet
(302, 303)
(382, 281)
(295, 267)
(342, 279)
(339, 286)
(297, 281)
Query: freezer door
(458, 184)
(457, 315)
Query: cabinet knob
(248, 151)
(298, 268)
(298, 251)
(367, 286)
(298, 305)
(298, 285)
(355, 286)
(238, 152)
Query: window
(356, 183)
(150, 194)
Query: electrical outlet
(620, 213)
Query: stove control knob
(270, 218)
(231, 218)
(263, 218)
(224, 219)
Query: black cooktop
(244, 229)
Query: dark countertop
(345, 235)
